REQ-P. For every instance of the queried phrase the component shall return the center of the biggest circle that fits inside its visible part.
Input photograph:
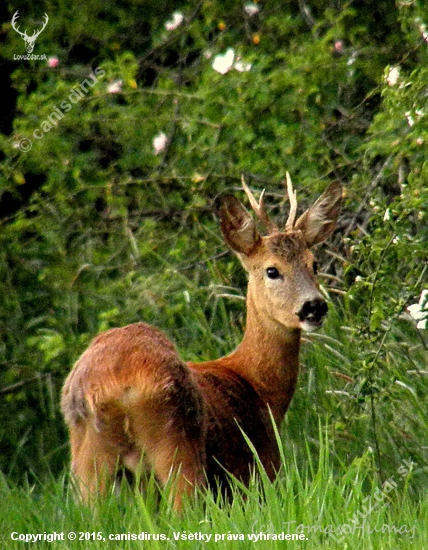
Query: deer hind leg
(170, 454)
(94, 460)
(168, 428)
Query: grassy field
(324, 508)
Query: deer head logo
(29, 40)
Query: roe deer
(131, 402)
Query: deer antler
(14, 18)
(293, 204)
(45, 22)
(259, 208)
(24, 34)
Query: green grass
(333, 509)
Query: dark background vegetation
(96, 230)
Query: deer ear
(319, 221)
(237, 225)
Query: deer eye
(273, 273)
(315, 267)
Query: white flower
(251, 9)
(423, 31)
(419, 311)
(115, 87)
(177, 19)
(159, 142)
(242, 67)
(387, 215)
(223, 63)
(352, 58)
(410, 119)
(393, 76)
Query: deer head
(29, 40)
(282, 289)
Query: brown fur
(289, 246)
(131, 402)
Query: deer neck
(268, 358)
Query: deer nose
(313, 311)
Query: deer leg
(169, 452)
(169, 431)
(94, 461)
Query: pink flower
(159, 142)
(177, 19)
(251, 9)
(53, 62)
(338, 46)
(115, 87)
